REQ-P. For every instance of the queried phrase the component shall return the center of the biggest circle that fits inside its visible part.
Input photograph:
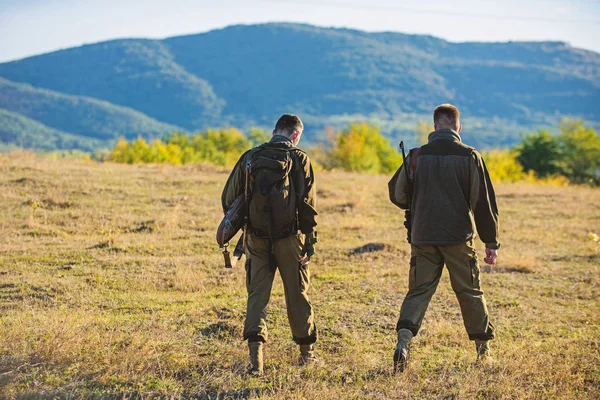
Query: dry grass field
(111, 286)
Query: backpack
(272, 202)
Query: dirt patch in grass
(24, 181)
(372, 248)
(343, 208)
(106, 245)
(220, 330)
(143, 227)
(52, 204)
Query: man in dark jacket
(452, 195)
(278, 245)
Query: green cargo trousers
(426, 264)
(263, 258)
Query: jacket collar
(281, 140)
(444, 134)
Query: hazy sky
(29, 27)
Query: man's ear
(296, 136)
(459, 128)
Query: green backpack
(272, 202)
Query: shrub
(574, 152)
(580, 152)
(362, 148)
(539, 152)
(504, 167)
(216, 146)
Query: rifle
(409, 193)
(236, 218)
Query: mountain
(83, 116)
(249, 74)
(18, 131)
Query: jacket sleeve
(235, 183)
(307, 198)
(398, 187)
(483, 203)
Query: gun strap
(412, 168)
(247, 205)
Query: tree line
(571, 154)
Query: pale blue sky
(29, 27)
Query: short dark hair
(446, 116)
(289, 123)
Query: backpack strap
(412, 168)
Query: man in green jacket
(273, 240)
(452, 198)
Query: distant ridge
(80, 115)
(247, 75)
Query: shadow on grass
(578, 257)
(220, 330)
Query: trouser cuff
(488, 335)
(406, 324)
(308, 339)
(255, 338)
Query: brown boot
(483, 350)
(307, 355)
(256, 358)
(402, 350)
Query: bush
(579, 152)
(539, 152)
(504, 167)
(574, 152)
(362, 148)
(215, 146)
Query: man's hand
(307, 252)
(490, 256)
(309, 247)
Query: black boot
(402, 350)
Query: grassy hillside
(249, 75)
(138, 74)
(111, 285)
(77, 115)
(18, 131)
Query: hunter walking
(451, 197)
(279, 181)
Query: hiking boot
(483, 350)
(307, 355)
(402, 350)
(256, 358)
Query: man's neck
(282, 139)
(444, 134)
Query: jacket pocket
(412, 274)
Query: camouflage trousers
(426, 265)
(264, 257)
